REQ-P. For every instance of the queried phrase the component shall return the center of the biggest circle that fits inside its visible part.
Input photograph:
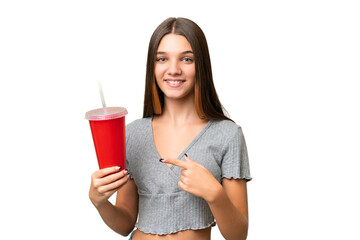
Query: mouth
(174, 82)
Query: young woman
(187, 162)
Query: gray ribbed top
(164, 208)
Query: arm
(120, 217)
(228, 203)
(230, 208)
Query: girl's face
(175, 67)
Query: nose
(174, 68)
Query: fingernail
(118, 167)
(161, 160)
(186, 155)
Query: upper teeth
(174, 81)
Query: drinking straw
(102, 96)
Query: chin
(177, 96)
(174, 96)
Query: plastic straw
(102, 96)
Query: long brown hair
(207, 103)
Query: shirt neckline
(203, 130)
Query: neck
(179, 111)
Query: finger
(190, 162)
(184, 179)
(175, 162)
(114, 186)
(187, 159)
(112, 177)
(182, 186)
(184, 172)
(106, 171)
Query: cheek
(159, 75)
(159, 71)
(190, 71)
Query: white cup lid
(110, 113)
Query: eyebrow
(185, 52)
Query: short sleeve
(128, 167)
(235, 161)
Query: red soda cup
(108, 132)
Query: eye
(187, 59)
(160, 59)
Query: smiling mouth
(174, 83)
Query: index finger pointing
(175, 161)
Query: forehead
(174, 43)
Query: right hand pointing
(105, 182)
